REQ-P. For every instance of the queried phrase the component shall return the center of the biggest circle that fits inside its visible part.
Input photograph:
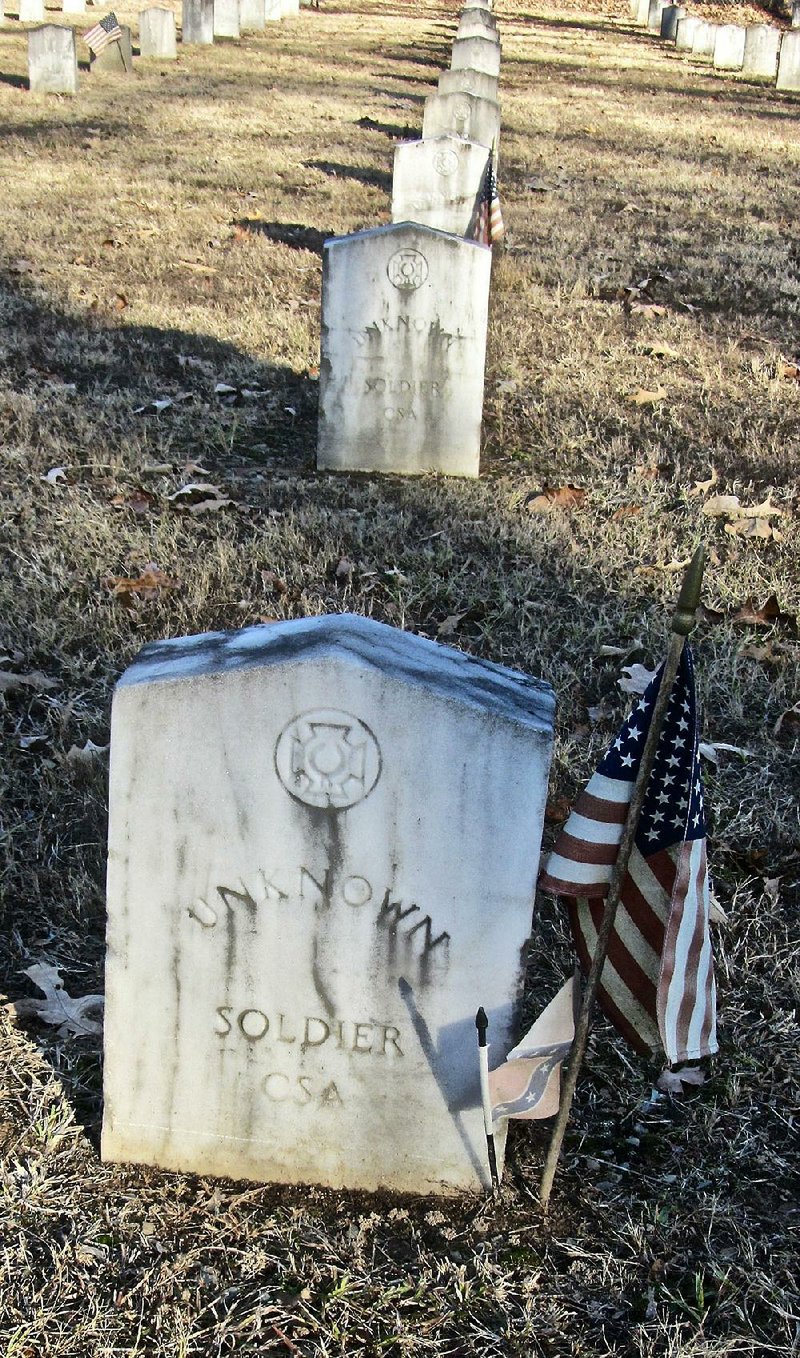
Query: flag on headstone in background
(528, 1084)
(488, 224)
(657, 984)
(105, 31)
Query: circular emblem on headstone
(445, 162)
(461, 112)
(407, 270)
(327, 758)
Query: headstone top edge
(452, 138)
(394, 228)
(448, 672)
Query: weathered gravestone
(323, 846)
(117, 57)
(73, 6)
(670, 18)
(479, 54)
(52, 60)
(438, 182)
(31, 11)
(654, 13)
(796, 14)
(789, 64)
(476, 14)
(252, 15)
(404, 313)
(467, 81)
(465, 115)
(198, 22)
(643, 12)
(470, 29)
(761, 47)
(729, 47)
(226, 19)
(684, 33)
(704, 41)
(157, 34)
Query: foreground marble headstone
(438, 181)
(479, 54)
(198, 22)
(226, 19)
(404, 314)
(761, 47)
(52, 60)
(323, 848)
(465, 115)
(789, 64)
(467, 81)
(729, 47)
(157, 34)
(31, 11)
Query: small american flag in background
(657, 985)
(104, 32)
(488, 225)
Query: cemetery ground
(160, 306)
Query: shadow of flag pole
(682, 623)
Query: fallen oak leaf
(635, 679)
(710, 751)
(647, 398)
(86, 756)
(71, 1016)
(647, 308)
(54, 476)
(674, 1081)
(449, 625)
(791, 717)
(39, 682)
(770, 612)
(132, 591)
(198, 498)
(766, 510)
(753, 528)
(660, 350)
(138, 500)
(702, 487)
(625, 512)
(562, 497)
(722, 506)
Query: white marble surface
(52, 60)
(729, 47)
(31, 11)
(323, 847)
(684, 33)
(465, 115)
(438, 181)
(762, 43)
(198, 22)
(403, 347)
(226, 19)
(704, 41)
(467, 81)
(157, 37)
(252, 15)
(789, 63)
(479, 54)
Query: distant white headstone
(467, 81)
(704, 41)
(307, 905)
(252, 15)
(73, 6)
(684, 33)
(290, 8)
(729, 47)
(654, 15)
(642, 12)
(273, 10)
(789, 64)
(31, 11)
(404, 314)
(670, 17)
(438, 182)
(198, 22)
(795, 13)
(479, 54)
(761, 47)
(465, 115)
(52, 60)
(157, 34)
(226, 19)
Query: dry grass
(179, 215)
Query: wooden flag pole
(682, 623)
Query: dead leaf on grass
(702, 487)
(86, 756)
(625, 512)
(788, 721)
(764, 615)
(39, 682)
(710, 751)
(669, 566)
(642, 397)
(70, 1016)
(133, 591)
(648, 308)
(753, 528)
(199, 498)
(138, 500)
(271, 581)
(675, 1081)
(54, 476)
(562, 497)
(660, 350)
(635, 678)
(722, 506)
(449, 625)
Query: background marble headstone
(73, 6)
(404, 314)
(31, 11)
(729, 47)
(762, 44)
(198, 22)
(467, 81)
(789, 63)
(654, 15)
(684, 33)
(226, 19)
(704, 41)
(157, 33)
(52, 60)
(323, 848)
(438, 181)
(252, 15)
(670, 18)
(465, 115)
(480, 54)
(117, 57)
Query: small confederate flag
(488, 225)
(657, 984)
(104, 32)
(528, 1084)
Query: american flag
(488, 222)
(528, 1084)
(104, 32)
(657, 985)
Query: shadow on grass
(379, 179)
(17, 82)
(288, 233)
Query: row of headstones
(757, 51)
(405, 307)
(52, 48)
